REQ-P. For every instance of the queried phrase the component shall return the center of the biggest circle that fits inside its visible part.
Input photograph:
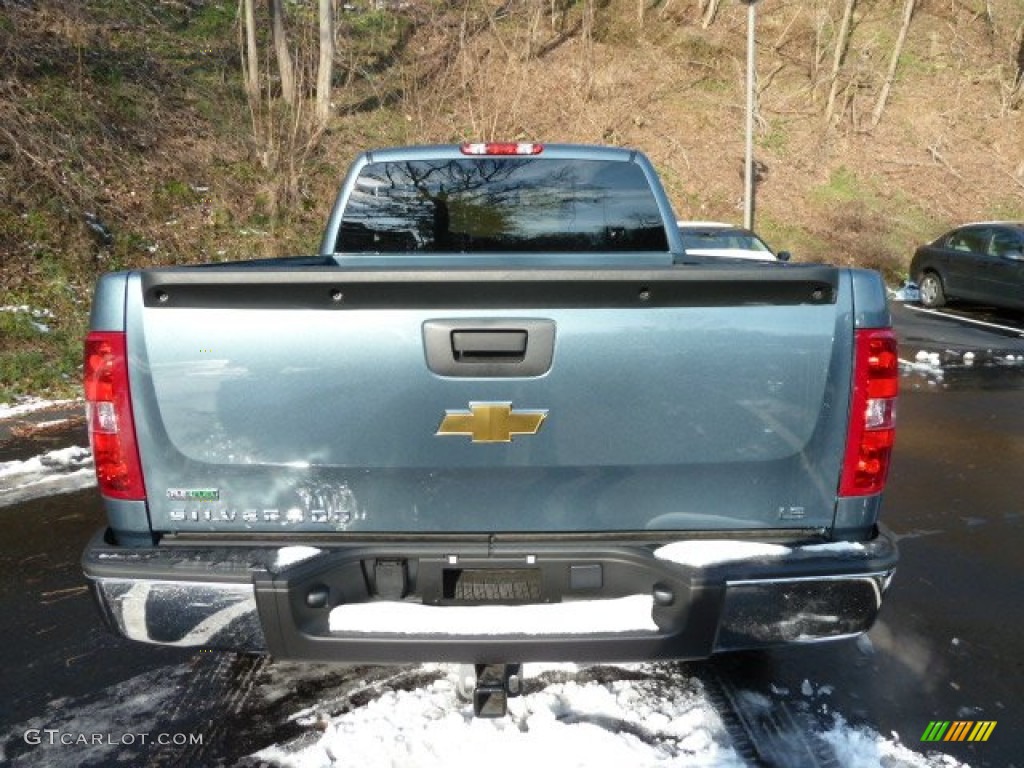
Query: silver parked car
(713, 238)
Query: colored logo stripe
(982, 731)
(958, 730)
(935, 731)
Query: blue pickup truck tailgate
(691, 398)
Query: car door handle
(482, 345)
(489, 347)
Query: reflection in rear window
(501, 204)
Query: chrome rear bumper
(240, 598)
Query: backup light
(872, 428)
(503, 148)
(109, 413)
(104, 418)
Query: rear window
(716, 239)
(471, 205)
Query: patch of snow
(290, 555)
(639, 722)
(43, 425)
(25, 309)
(700, 553)
(62, 458)
(59, 471)
(754, 702)
(806, 688)
(936, 364)
(27, 405)
(624, 614)
(834, 546)
(861, 747)
(703, 552)
(35, 315)
(635, 723)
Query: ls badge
(491, 422)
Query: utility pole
(748, 165)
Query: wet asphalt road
(948, 645)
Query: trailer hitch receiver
(495, 683)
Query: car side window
(1006, 243)
(958, 241)
(982, 241)
(974, 240)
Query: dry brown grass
(949, 147)
(134, 112)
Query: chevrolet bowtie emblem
(491, 422)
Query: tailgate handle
(489, 347)
(484, 346)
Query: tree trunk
(250, 55)
(842, 42)
(284, 60)
(1019, 40)
(883, 97)
(325, 70)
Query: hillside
(127, 139)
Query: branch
(1002, 165)
(937, 157)
(897, 50)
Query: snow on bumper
(571, 602)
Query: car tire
(933, 295)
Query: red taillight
(109, 411)
(503, 148)
(872, 430)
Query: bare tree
(286, 124)
(250, 56)
(883, 97)
(842, 43)
(285, 68)
(325, 69)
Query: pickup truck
(501, 417)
